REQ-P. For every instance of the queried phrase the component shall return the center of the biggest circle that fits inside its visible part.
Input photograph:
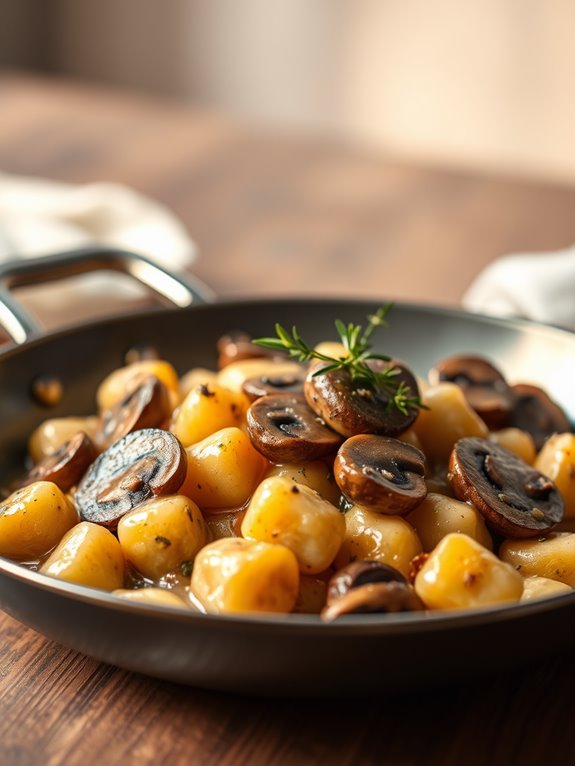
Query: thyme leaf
(356, 341)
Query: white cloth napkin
(39, 217)
(539, 286)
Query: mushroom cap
(142, 464)
(352, 408)
(67, 465)
(285, 430)
(237, 345)
(146, 405)
(369, 586)
(485, 388)
(380, 472)
(282, 383)
(358, 573)
(535, 412)
(515, 499)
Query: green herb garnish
(186, 568)
(356, 341)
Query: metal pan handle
(179, 291)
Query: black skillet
(293, 655)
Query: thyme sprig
(356, 342)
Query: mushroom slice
(237, 345)
(358, 573)
(369, 586)
(67, 465)
(351, 408)
(142, 464)
(284, 429)
(515, 499)
(385, 474)
(485, 388)
(283, 383)
(536, 413)
(145, 406)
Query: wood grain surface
(276, 214)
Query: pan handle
(179, 291)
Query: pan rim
(517, 323)
(384, 624)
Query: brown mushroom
(358, 573)
(352, 408)
(382, 473)
(369, 586)
(485, 388)
(141, 352)
(147, 405)
(535, 412)
(237, 345)
(515, 499)
(67, 465)
(264, 385)
(142, 464)
(284, 429)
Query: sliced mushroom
(283, 383)
(67, 465)
(142, 464)
(236, 346)
(284, 429)
(141, 352)
(147, 405)
(358, 573)
(351, 408)
(485, 388)
(515, 499)
(536, 413)
(369, 586)
(382, 473)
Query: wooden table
(277, 214)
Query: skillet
(295, 655)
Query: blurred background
(467, 84)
